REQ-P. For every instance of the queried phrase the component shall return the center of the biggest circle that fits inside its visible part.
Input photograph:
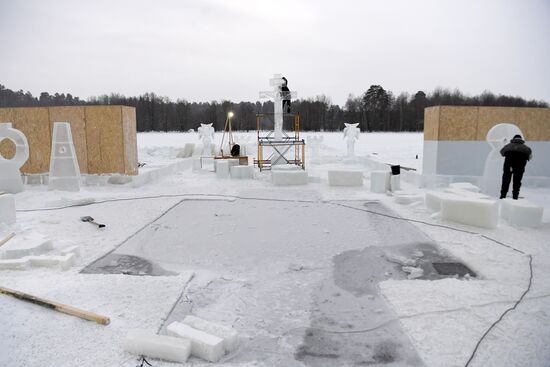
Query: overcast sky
(203, 50)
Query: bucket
(395, 170)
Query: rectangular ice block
(380, 181)
(32, 243)
(228, 334)
(285, 178)
(395, 182)
(521, 212)
(474, 212)
(345, 178)
(203, 345)
(63, 261)
(242, 172)
(7, 208)
(14, 264)
(149, 344)
(222, 168)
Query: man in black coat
(516, 155)
(285, 94)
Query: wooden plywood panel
(457, 123)
(104, 137)
(7, 148)
(130, 140)
(431, 123)
(490, 116)
(6, 114)
(74, 115)
(534, 123)
(35, 124)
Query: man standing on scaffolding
(285, 95)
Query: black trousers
(286, 106)
(514, 170)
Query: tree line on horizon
(375, 110)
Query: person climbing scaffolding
(285, 95)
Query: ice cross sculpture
(351, 133)
(497, 137)
(206, 133)
(276, 82)
(10, 176)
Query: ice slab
(229, 335)
(22, 245)
(242, 172)
(345, 178)
(380, 181)
(474, 212)
(521, 212)
(63, 261)
(14, 264)
(222, 168)
(203, 345)
(465, 186)
(7, 208)
(147, 343)
(433, 198)
(284, 178)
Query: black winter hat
(517, 136)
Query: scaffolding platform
(279, 150)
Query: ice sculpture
(276, 82)
(64, 169)
(351, 134)
(206, 133)
(497, 137)
(10, 176)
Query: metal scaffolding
(279, 150)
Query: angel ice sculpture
(206, 133)
(351, 133)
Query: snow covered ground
(309, 275)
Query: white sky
(203, 50)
